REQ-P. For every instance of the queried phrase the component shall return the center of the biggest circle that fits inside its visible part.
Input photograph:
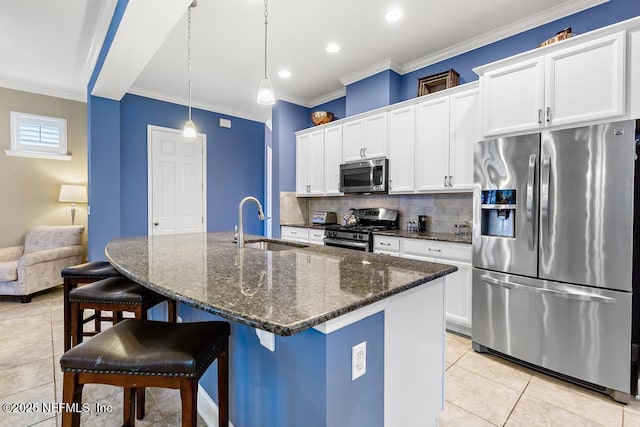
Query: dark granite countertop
(283, 292)
(426, 235)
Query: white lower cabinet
(458, 284)
(313, 236)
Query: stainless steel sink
(272, 245)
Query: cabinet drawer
(316, 237)
(296, 234)
(441, 251)
(386, 244)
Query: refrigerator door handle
(544, 199)
(546, 291)
(529, 207)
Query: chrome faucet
(240, 228)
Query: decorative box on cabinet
(556, 87)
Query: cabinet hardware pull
(385, 244)
(294, 232)
(539, 116)
(434, 250)
(450, 180)
(361, 155)
(548, 114)
(390, 184)
(364, 152)
(445, 180)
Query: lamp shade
(265, 94)
(73, 193)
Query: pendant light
(265, 94)
(189, 128)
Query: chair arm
(49, 255)
(11, 254)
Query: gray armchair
(36, 266)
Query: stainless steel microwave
(366, 176)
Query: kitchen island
(296, 314)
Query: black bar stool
(118, 295)
(80, 274)
(144, 353)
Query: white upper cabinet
(586, 82)
(576, 85)
(465, 132)
(432, 145)
(365, 138)
(310, 164)
(401, 131)
(332, 160)
(513, 98)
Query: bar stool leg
(172, 315)
(72, 393)
(77, 314)
(189, 397)
(223, 386)
(129, 405)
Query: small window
(38, 136)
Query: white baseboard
(208, 409)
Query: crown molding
(42, 90)
(201, 106)
(293, 100)
(99, 35)
(387, 64)
(514, 28)
(328, 97)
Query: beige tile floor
(481, 390)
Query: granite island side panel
(283, 292)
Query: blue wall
(377, 91)
(103, 152)
(306, 381)
(287, 119)
(582, 22)
(337, 107)
(235, 162)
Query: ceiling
(53, 45)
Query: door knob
(156, 224)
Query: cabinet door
(332, 159)
(401, 149)
(316, 236)
(586, 82)
(465, 132)
(353, 135)
(457, 292)
(315, 163)
(375, 136)
(302, 170)
(294, 234)
(513, 98)
(432, 145)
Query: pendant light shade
(265, 95)
(189, 130)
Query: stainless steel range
(358, 232)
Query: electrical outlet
(358, 360)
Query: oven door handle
(328, 241)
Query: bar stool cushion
(90, 270)
(149, 347)
(116, 290)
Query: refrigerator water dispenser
(498, 213)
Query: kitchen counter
(283, 292)
(300, 225)
(326, 306)
(426, 235)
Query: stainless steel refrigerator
(553, 253)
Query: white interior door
(177, 184)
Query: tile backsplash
(443, 210)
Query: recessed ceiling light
(393, 15)
(332, 48)
(285, 74)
